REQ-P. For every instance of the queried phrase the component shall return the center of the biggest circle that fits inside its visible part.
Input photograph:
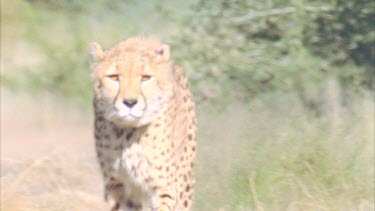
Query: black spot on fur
(129, 135)
(114, 185)
(118, 131)
(118, 147)
(165, 196)
(190, 137)
(130, 204)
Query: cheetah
(145, 126)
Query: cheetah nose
(130, 102)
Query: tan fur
(144, 126)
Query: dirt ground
(47, 155)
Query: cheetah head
(132, 80)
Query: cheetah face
(131, 84)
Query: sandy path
(35, 126)
(47, 155)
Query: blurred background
(284, 92)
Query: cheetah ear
(96, 54)
(163, 52)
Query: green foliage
(244, 49)
(57, 33)
(346, 34)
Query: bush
(346, 34)
(243, 49)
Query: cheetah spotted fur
(144, 126)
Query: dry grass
(47, 156)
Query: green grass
(296, 161)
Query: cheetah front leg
(113, 194)
(163, 200)
(118, 199)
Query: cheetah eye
(146, 77)
(113, 77)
